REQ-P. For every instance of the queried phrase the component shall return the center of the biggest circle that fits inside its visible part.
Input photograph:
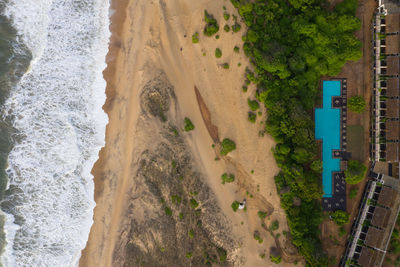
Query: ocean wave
(60, 127)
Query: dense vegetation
(356, 104)
(355, 172)
(291, 44)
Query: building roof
(374, 238)
(392, 130)
(392, 108)
(392, 6)
(381, 167)
(392, 23)
(393, 67)
(392, 44)
(392, 151)
(380, 217)
(387, 197)
(369, 257)
(392, 87)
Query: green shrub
(226, 16)
(168, 211)
(211, 27)
(193, 203)
(316, 166)
(355, 172)
(222, 254)
(227, 178)
(218, 53)
(340, 217)
(356, 104)
(252, 117)
(262, 215)
(189, 126)
(189, 255)
(225, 66)
(176, 199)
(236, 49)
(217, 36)
(195, 38)
(227, 28)
(253, 104)
(236, 27)
(353, 193)
(244, 88)
(235, 205)
(274, 225)
(227, 146)
(181, 215)
(276, 259)
(342, 231)
(257, 237)
(191, 233)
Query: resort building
(330, 129)
(380, 205)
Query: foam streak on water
(56, 111)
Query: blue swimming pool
(327, 129)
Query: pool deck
(330, 128)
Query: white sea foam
(56, 110)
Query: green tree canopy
(340, 217)
(227, 146)
(355, 172)
(356, 104)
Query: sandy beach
(153, 40)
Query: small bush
(189, 126)
(262, 215)
(195, 38)
(225, 66)
(257, 237)
(252, 117)
(168, 211)
(227, 178)
(191, 233)
(189, 255)
(274, 225)
(218, 53)
(181, 215)
(342, 231)
(236, 27)
(193, 203)
(227, 28)
(235, 205)
(355, 172)
(211, 27)
(226, 16)
(356, 104)
(276, 259)
(262, 255)
(253, 104)
(176, 199)
(227, 146)
(236, 49)
(244, 88)
(217, 36)
(222, 254)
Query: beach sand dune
(155, 78)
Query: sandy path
(157, 35)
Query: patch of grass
(195, 38)
(189, 126)
(225, 66)
(235, 205)
(193, 203)
(353, 193)
(253, 104)
(168, 211)
(173, 164)
(222, 254)
(355, 141)
(227, 178)
(189, 255)
(262, 255)
(226, 16)
(227, 146)
(176, 199)
(342, 231)
(276, 259)
(262, 214)
(251, 117)
(181, 215)
(227, 28)
(218, 53)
